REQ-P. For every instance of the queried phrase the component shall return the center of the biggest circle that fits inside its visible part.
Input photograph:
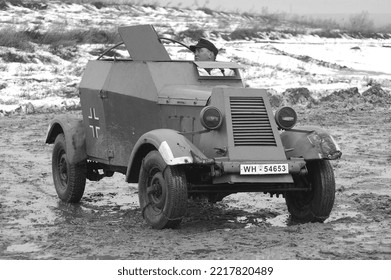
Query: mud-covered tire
(314, 205)
(162, 192)
(69, 178)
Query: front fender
(74, 133)
(310, 143)
(174, 148)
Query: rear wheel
(69, 178)
(314, 205)
(162, 192)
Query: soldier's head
(204, 50)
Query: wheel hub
(157, 191)
(63, 169)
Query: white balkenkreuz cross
(94, 123)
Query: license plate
(264, 169)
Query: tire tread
(176, 204)
(319, 208)
(76, 174)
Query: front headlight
(211, 118)
(285, 117)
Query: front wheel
(69, 178)
(162, 192)
(314, 205)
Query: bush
(244, 33)
(63, 38)
(327, 34)
(14, 39)
(13, 57)
(193, 33)
(34, 5)
(206, 11)
(57, 37)
(98, 4)
(255, 32)
(152, 6)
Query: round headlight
(286, 117)
(211, 117)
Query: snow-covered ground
(44, 81)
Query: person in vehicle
(205, 50)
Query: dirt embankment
(107, 224)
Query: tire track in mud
(25, 214)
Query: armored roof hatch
(142, 43)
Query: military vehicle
(180, 135)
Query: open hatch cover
(143, 44)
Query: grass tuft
(56, 37)
(34, 5)
(13, 39)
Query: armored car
(180, 134)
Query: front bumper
(229, 172)
(295, 166)
(226, 178)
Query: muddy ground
(107, 224)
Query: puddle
(260, 204)
(23, 248)
(121, 201)
(123, 197)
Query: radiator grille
(250, 122)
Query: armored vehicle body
(180, 134)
